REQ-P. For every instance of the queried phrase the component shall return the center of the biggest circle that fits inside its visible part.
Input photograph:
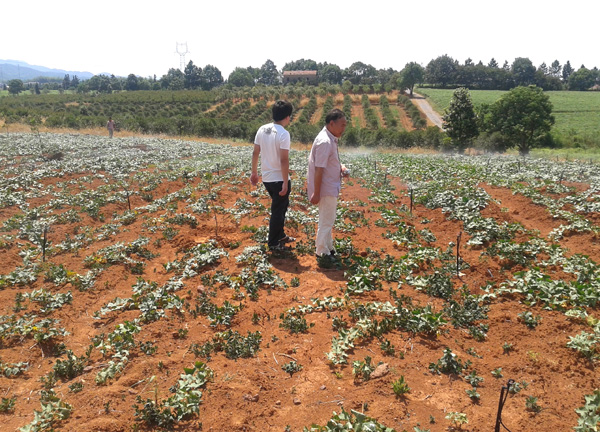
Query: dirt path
(426, 109)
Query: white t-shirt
(272, 138)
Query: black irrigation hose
(503, 397)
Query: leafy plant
(532, 405)
(237, 346)
(529, 320)
(294, 324)
(589, 414)
(473, 394)
(291, 367)
(473, 378)
(71, 367)
(362, 369)
(349, 421)
(52, 412)
(457, 418)
(7, 404)
(507, 347)
(10, 370)
(400, 387)
(184, 403)
(449, 363)
(586, 344)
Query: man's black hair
(282, 109)
(334, 114)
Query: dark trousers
(279, 206)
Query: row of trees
(521, 118)
(446, 72)
(443, 71)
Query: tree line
(441, 72)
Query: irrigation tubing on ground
(503, 397)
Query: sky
(130, 36)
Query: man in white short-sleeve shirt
(324, 178)
(272, 144)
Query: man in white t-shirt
(272, 143)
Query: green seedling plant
(185, 402)
(295, 324)
(349, 421)
(473, 394)
(400, 387)
(7, 405)
(291, 367)
(362, 369)
(589, 414)
(532, 405)
(458, 419)
(529, 320)
(473, 379)
(449, 364)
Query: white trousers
(327, 208)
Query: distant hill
(14, 69)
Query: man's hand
(254, 179)
(284, 189)
(315, 198)
(345, 171)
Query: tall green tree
(241, 77)
(555, 69)
(268, 74)
(173, 80)
(523, 71)
(567, 71)
(523, 116)
(360, 73)
(192, 76)
(66, 82)
(331, 74)
(99, 83)
(460, 121)
(299, 65)
(582, 79)
(211, 77)
(412, 74)
(132, 82)
(441, 71)
(15, 86)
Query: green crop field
(575, 112)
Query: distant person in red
(110, 126)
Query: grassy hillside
(575, 112)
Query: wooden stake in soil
(44, 243)
(411, 200)
(458, 237)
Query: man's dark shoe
(279, 248)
